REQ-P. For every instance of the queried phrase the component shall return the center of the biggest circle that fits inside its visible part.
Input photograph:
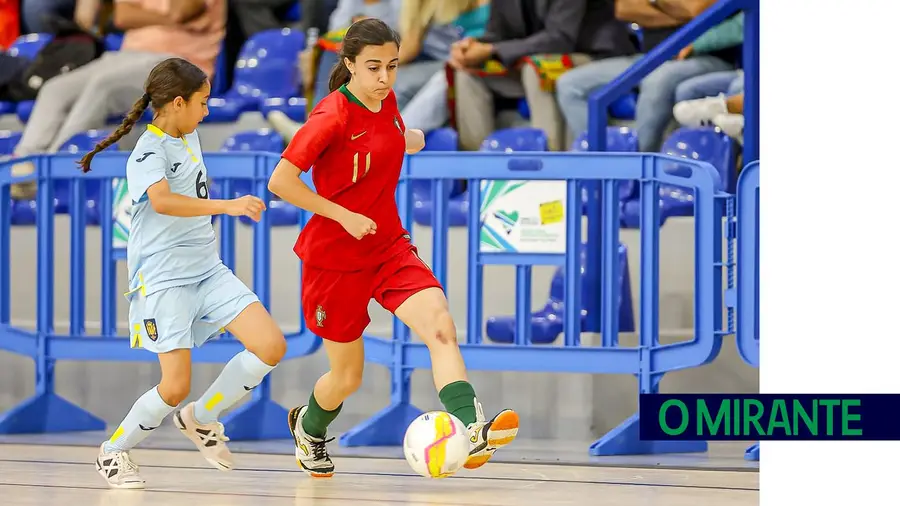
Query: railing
(748, 272)
(264, 419)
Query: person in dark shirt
(658, 19)
(584, 30)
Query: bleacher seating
(266, 68)
(8, 141)
(706, 144)
(504, 141)
(547, 323)
(26, 46)
(280, 213)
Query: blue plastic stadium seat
(113, 41)
(503, 141)
(23, 110)
(266, 68)
(293, 107)
(147, 117)
(442, 139)
(26, 46)
(623, 108)
(703, 144)
(8, 141)
(264, 139)
(618, 140)
(24, 212)
(547, 323)
(80, 143)
(29, 45)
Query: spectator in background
(658, 20)
(84, 98)
(428, 29)
(255, 16)
(572, 30)
(36, 13)
(315, 14)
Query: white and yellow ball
(436, 444)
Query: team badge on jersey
(152, 331)
(320, 316)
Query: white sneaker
(700, 112)
(311, 452)
(487, 437)
(209, 438)
(731, 124)
(118, 470)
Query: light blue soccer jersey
(166, 251)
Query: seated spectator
(315, 14)
(427, 29)
(84, 98)
(524, 49)
(37, 14)
(658, 21)
(726, 35)
(347, 12)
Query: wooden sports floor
(48, 472)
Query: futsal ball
(436, 444)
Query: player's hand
(415, 140)
(248, 205)
(357, 225)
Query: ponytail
(131, 119)
(340, 75)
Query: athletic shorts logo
(320, 317)
(152, 332)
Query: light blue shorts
(184, 317)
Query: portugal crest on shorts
(152, 331)
(320, 316)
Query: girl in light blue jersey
(180, 292)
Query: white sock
(240, 375)
(146, 414)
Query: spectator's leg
(736, 87)
(316, 14)
(54, 101)
(706, 85)
(575, 86)
(545, 113)
(116, 82)
(412, 77)
(35, 13)
(474, 110)
(657, 96)
(427, 110)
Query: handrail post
(751, 81)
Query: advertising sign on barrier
(121, 213)
(523, 216)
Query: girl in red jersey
(354, 248)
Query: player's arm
(147, 179)
(323, 126)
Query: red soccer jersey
(355, 155)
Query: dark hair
(168, 80)
(365, 32)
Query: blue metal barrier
(263, 419)
(648, 361)
(260, 418)
(748, 272)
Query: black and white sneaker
(311, 453)
(118, 470)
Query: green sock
(316, 419)
(458, 399)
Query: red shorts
(336, 304)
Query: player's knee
(174, 390)
(444, 327)
(272, 351)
